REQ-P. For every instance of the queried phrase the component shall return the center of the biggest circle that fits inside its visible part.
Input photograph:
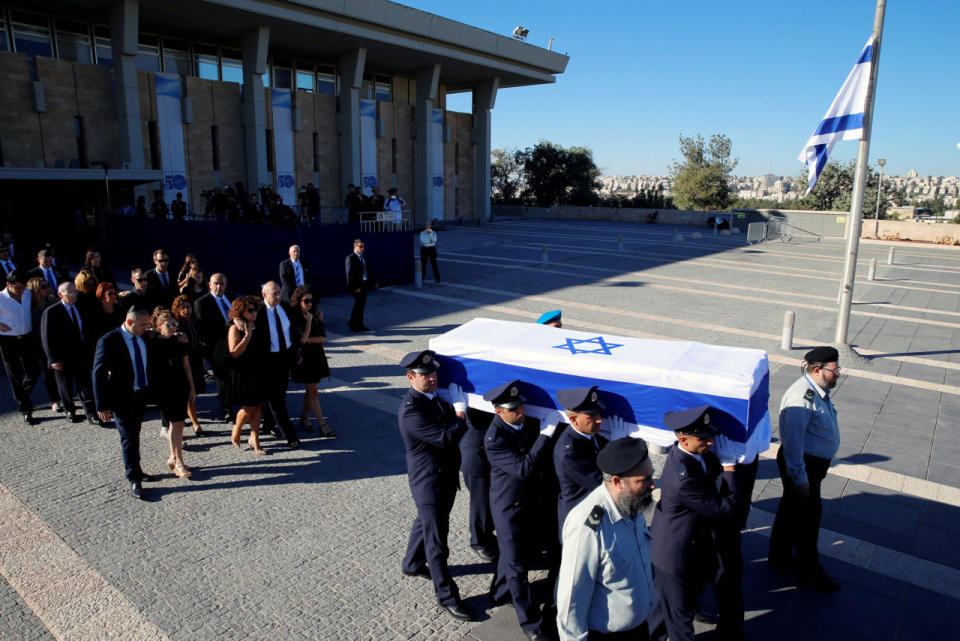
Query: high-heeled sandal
(257, 449)
(305, 424)
(171, 463)
(326, 431)
(181, 471)
(197, 430)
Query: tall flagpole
(859, 185)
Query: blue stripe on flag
(635, 403)
(867, 54)
(839, 123)
(821, 159)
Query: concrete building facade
(79, 105)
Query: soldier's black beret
(507, 396)
(692, 422)
(822, 354)
(622, 455)
(580, 399)
(420, 362)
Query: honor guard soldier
(690, 507)
(476, 476)
(809, 438)
(431, 430)
(516, 453)
(575, 453)
(605, 587)
(551, 318)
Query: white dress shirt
(16, 314)
(284, 325)
(428, 238)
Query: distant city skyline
(761, 73)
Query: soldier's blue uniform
(575, 453)
(683, 549)
(476, 476)
(431, 431)
(516, 455)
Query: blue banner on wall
(170, 133)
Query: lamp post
(876, 216)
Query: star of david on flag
(600, 346)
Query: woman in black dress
(93, 263)
(168, 365)
(312, 364)
(245, 362)
(188, 262)
(106, 314)
(195, 284)
(183, 313)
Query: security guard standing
(575, 453)
(476, 476)
(516, 453)
(605, 587)
(809, 438)
(690, 507)
(431, 430)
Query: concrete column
(253, 110)
(348, 118)
(124, 27)
(484, 97)
(428, 80)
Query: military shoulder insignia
(682, 472)
(594, 518)
(809, 395)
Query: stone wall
(910, 230)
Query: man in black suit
(293, 273)
(690, 507)
(517, 453)
(178, 207)
(575, 454)
(161, 284)
(430, 430)
(68, 352)
(212, 313)
(360, 280)
(476, 476)
(140, 297)
(282, 340)
(120, 389)
(6, 263)
(46, 270)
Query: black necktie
(76, 321)
(281, 339)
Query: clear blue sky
(759, 71)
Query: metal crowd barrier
(377, 222)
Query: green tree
(834, 191)
(554, 175)
(702, 179)
(505, 177)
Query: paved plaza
(307, 544)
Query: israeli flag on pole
(843, 120)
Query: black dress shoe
(702, 616)
(28, 418)
(294, 443)
(819, 581)
(458, 611)
(93, 420)
(485, 554)
(225, 416)
(421, 572)
(364, 328)
(136, 490)
(74, 417)
(533, 635)
(148, 478)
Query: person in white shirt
(428, 251)
(18, 345)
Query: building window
(31, 34)
(176, 57)
(207, 62)
(81, 134)
(282, 74)
(316, 151)
(269, 134)
(102, 46)
(384, 88)
(73, 41)
(231, 66)
(327, 80)
(305, 77)
(153, 133)
(215, 145)
(148, 53)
